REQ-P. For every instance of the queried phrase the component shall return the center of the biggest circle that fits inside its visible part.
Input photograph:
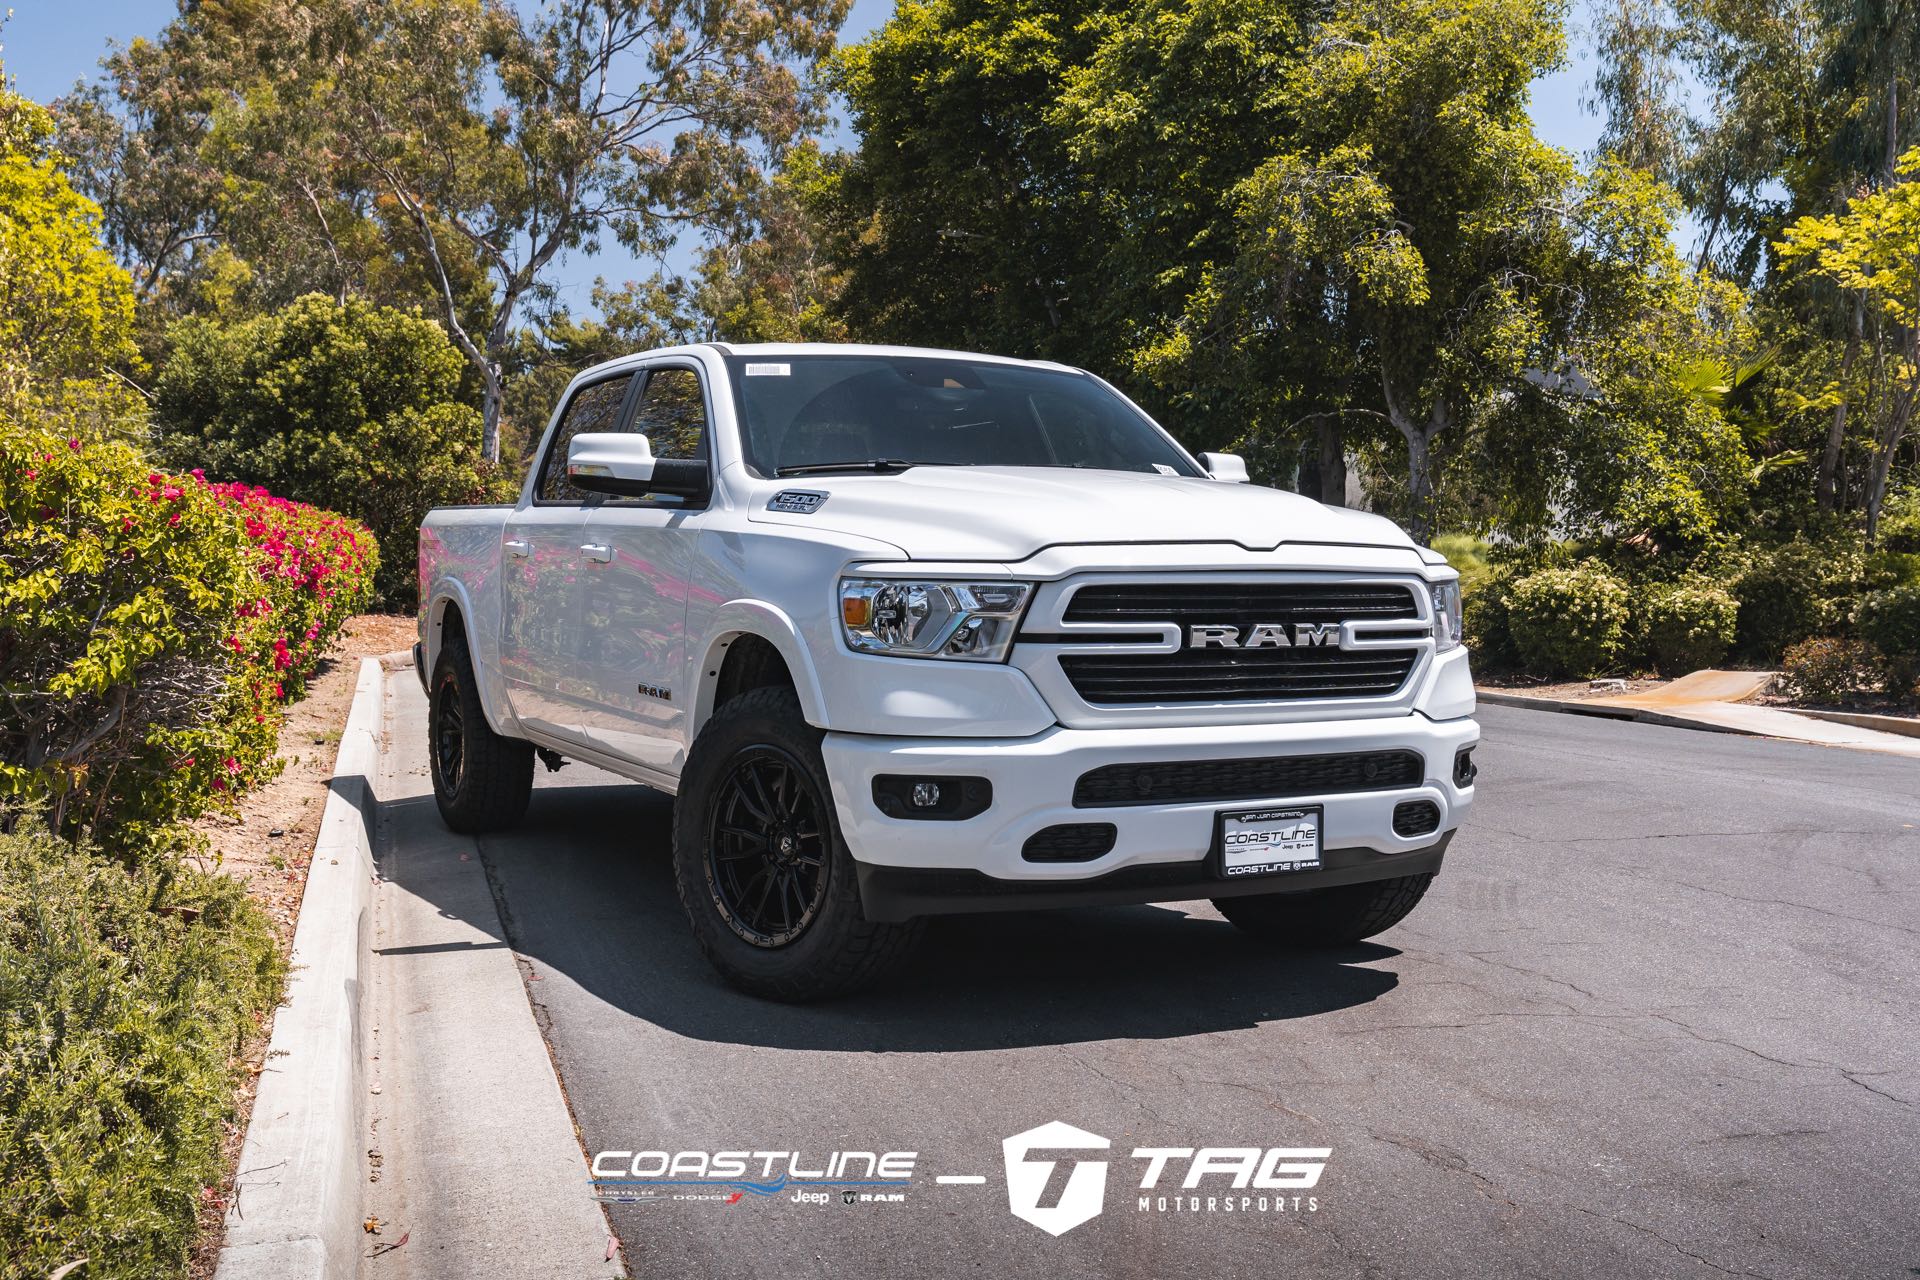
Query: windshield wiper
(871, 464)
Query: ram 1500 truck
(907, 632)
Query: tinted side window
(593, 408)
(673, 414)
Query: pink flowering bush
(152, 626)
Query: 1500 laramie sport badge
(910, 632)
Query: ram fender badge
(799, 502)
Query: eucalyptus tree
(457, 150)
(507, 137)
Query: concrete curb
(296, 1204)
(1902, 725)
(1607, 712)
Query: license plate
(1264, 842)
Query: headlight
(972, 621)
(1446, 615)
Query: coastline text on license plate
(1258, 842)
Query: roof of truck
(779, 350)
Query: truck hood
(1009, 513)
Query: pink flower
(73, 445)
(233, 765)
(185, 764)
(32, 474)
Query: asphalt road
(1660, 1016)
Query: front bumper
(1161, 852)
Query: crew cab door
(545, 574)
(637, 605)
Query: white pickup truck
(910, 632)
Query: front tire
(1326, 917)
(481, 781)
(762, 871)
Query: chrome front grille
(1205, 602)
(1345, 662)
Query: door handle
(519, 547)
(598, 552)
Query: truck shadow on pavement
(585, 892)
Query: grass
(126, 994)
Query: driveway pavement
(1657, 1018)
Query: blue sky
(47, 48)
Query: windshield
(818, 411)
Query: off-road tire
(1326, 917)
(492, 777)
(839, 949)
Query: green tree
(777, 282)
(504, 136)
(1167, 118)
(345, 405)
(1873, 249)
(960, 219)
(66, 307)
(1398, 248)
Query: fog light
(1464, 770)
(939, 799)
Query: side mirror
(621, 463)
(1228, 468)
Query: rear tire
(755, 817)
(481, 780)
(1326, 917)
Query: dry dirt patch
(1571, 691)
(268, 843)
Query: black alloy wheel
(767, 847)
(481, 780)
(449, 734)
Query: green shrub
(348, 406)
(1886, 568)
(1792, 591)
(1900, 523)
(1890, 621)
(1569, 622)
(151, 626)
(1486, 621)
(1467, 554)
(1827, 668)
(125, 994)
(1688, 625)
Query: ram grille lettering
(1265, 635)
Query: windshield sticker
(1164, 469)
(769, 371)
